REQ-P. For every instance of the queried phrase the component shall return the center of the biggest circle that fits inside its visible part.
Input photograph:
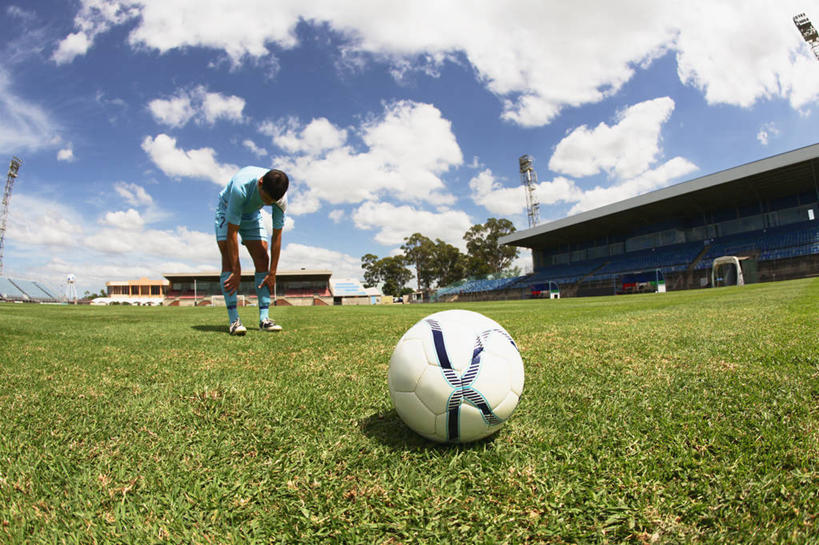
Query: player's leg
(254, 237)
(236, 327)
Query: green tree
(449, 264)
(391, 272)
(372, 275)
(419, 251)
(486, 254)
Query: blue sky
(390, 118)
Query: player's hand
(232, 282)
(270, 282)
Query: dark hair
(275, 183)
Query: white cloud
(295, 256)
(503, 201)
(200, 105)
(647, 181)
(254, 149)
(35, 222)
(407, 150)
(129, 220)
(95, 17)
(72, 46)
(49, 240)
(316, 137)
(198, 163)
(622, 150)
(23, 124)
(766, 131)
(217, 106)
(762, 67)
(174, 112)
(393, 223)
(538, 58)
(134, 194)
(66, 154)
(336, 215)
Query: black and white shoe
(269, 325)
(236, 328)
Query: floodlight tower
(808, 32)
(14, 166)
(528, 178)
(71, 288)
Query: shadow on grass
(387, 428)
(210, 328)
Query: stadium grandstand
(302, 287)
(27, 291)
(764, 213)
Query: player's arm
(232, 247)
(275, 250)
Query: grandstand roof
(775, 177)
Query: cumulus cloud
(626, 153)
(197, 163)
(647, 181)
(129, 219)
(765, 132)
(313, 139)
(538, 64)
(393, 223)
(488, 192)
(405, 152)
(24, 125)
(94, 17)
(296, 256)
(253, 148)
(200, 105)
(622, 150)
(66, 154)
(37, 223)
(134, 194)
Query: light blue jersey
(240, 204)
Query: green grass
(686, 417)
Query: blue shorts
(251, 227)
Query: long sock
(230, 300)
(263, 295)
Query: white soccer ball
(455, 376)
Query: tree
(390, 271)
(486, 255)
(449, 264)
(419, 251)
(372, 275)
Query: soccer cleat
(236, 328)
(269, 325)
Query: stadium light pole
(14, 167)
(528, 178)
(808, 32)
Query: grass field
(686, 417)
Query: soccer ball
(455, 376)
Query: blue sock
(263, 294)
(230, 300)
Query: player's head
(275, 184)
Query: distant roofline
(216, 274)
(724, 176)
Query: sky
(390, 118)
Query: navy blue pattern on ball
(462, 385)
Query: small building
(143, 291)
(349, 291)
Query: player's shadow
(387, 428)
(210, 328)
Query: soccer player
(239, 213)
